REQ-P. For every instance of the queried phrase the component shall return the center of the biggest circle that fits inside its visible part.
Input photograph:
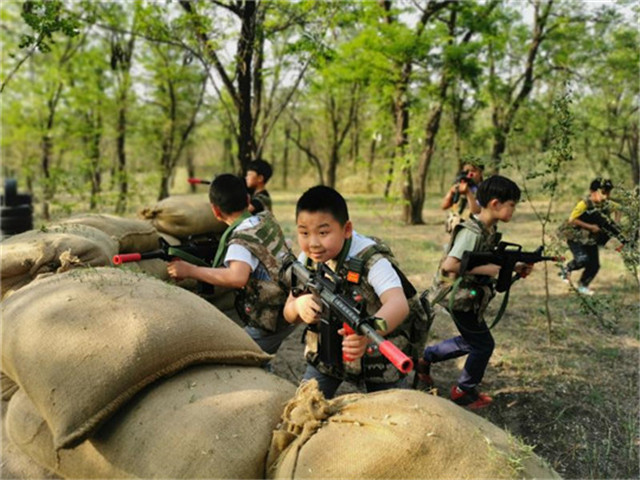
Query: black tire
(19, 199)
(16, 225)
(10, 189)
(16, 211)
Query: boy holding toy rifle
(348, 290)
(249, 259)
(466, 283)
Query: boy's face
(503, 211)
(252, 179)
(597, 196)
(321, 236)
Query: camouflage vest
(474, 292)
(410, 336)
(264, 198)
(261, 301)
(577, 234)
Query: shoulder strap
(380, 248)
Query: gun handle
(396, 356)
(349, 331)
(126, 257)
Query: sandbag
(207, 421)
(82, 343)
(132, 234)
(394, 434)
(15, 463)
(28, 255)
(183, 216)
(8, 387)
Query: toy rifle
(342, 308)
(608, 228)
(197, 181)
(506, 255)
(197, 252)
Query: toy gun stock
(506, 255)
(326, 285)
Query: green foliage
(46, 17)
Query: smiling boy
(326, 235)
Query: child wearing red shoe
(497, 197)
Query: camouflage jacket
(473, 292)
(260, 303)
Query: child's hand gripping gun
(327, 286)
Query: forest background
(109, 106)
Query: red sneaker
(423, 371)
(471, 399)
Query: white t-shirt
(239, 253)
(382, 276)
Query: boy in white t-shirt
(326, 235)
(249, 258)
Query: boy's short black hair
(599, 183)
(324, 199)
(229, 193)
(261, 167)
(596, 184)
(498, 187)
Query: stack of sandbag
(54, 249)
(210, 421)
(92, 350)
(131, 234)
(183, 216)
(394, 434)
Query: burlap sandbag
(183, 215)
(8, 387)
(132, 234)
(82, 343)
(56, 249)
(208, 421)
(395, 434)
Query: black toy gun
(199, 253)
(462, 176)
(325, 284)
(608, 228)
(506, 255)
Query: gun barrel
(196, 181)
(136, 257)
